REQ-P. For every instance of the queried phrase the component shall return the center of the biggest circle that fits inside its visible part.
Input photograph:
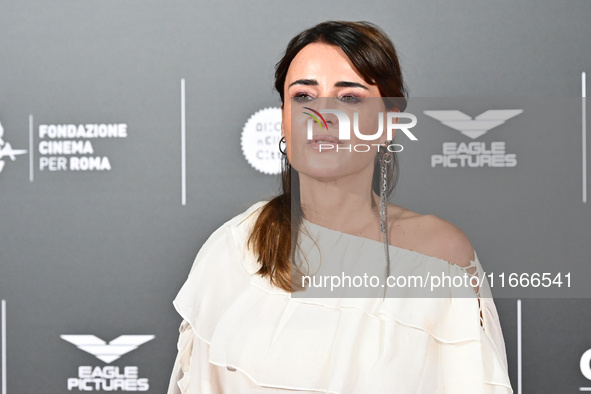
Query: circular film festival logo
(260, 141)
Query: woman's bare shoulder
(429, 235)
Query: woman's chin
(322, 173)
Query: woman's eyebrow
(347, 84)
(307, 82)
(340, 84)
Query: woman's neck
(345, 205)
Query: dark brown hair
(275, 233)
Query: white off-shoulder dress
(240, 334)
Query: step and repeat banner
(130, 130)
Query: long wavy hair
(274, 237)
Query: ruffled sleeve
(180, 372)
(490, 321)
(489, 318)
(215, 281)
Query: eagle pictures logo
(474, 153)
(107, 378)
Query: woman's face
(321, 76)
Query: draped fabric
(240, 334)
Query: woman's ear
(395, 121)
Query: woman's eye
(350, 99)
(302, 97)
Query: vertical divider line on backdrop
(584, 132)
(3, 346)
(31, 160)
(519, 355)
(183, 147)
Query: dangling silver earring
(282, 141)
(384, 158)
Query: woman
(249, 325)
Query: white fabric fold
(240, 334)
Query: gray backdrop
(103, 252)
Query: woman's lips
(324, 142)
